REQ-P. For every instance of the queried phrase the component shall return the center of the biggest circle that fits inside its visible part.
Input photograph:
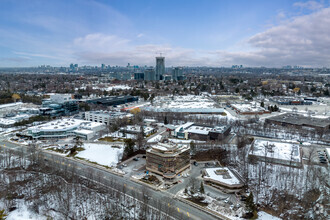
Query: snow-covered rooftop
(250, 107)
(222, 175)
(276, 150)
(168, 148)
(66, 124)
(136, 128)
(10, 105)
(5, 121)
(189, 103)
(58, 125)
(199, 130)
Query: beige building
(168, 160)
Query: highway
(178, 209)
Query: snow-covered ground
(266, 216)
(24, 213)
(103, 154)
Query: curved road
(156, 199)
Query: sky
(187, 32)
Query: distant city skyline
(187, 32)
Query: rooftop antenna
(160, 54)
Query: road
(84, 169)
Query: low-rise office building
(194, 131)
(64, 128)
(106, 117)
(59, 104)
(168, 160)
(223, 177)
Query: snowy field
(103, 154)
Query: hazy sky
(189, 33)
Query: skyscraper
(160, 67)
(177, 73)
(149, 74)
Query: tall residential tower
(160, 67)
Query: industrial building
(300, 121)
(113, 100)
(167, 160)
(278, 152)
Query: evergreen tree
(250, 203)
(129, 147)
(3, 215)
(201, 189)
(192, 148)
(165, 120)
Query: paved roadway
(182, 210)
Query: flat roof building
(300, 121)
(223, 177)
(190, 130)
(64, 128)
(249, 109)
(113, 100)
(168, 159)
(106, 117)
(278, 152)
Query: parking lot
(134, 167)
(315, 155)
